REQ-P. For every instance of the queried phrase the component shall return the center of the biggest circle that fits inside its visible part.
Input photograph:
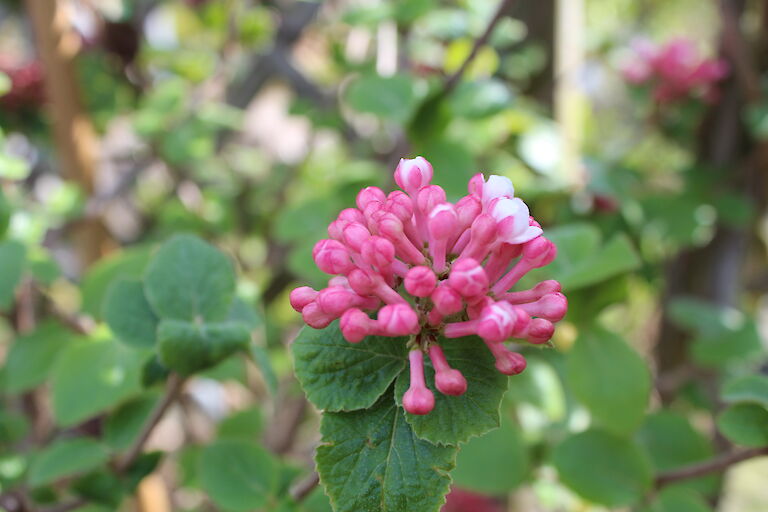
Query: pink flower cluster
(675, 71)
(430, 268)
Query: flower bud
(420, 281)
(496, 323)
(334, 300)
(418, 399)
(468, 278)
(315, 317)
(412, 174)
(497, 186)
(398, 320)
(540, 331)
(447, 301)
(378, 252)
(332, 257)
(447, 380)
(354, 234)
(368, 195)
(356, 325)
(551, 306)
(301, 296)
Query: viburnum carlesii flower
(675, 71)
(412, 264)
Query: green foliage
(65, 458)
(238, 475)
(745, 424)
(187, 347)
(31, 356)
(603, 468)
(455, 419)
(371, 460)
(129, 315)
(610, 379)
(341, 376)
(12, 264)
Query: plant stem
(711, 466)
(453, 79)
(174, 386)
(302, 489)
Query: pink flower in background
(674, 71)
(413, 264)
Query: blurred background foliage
(251, 124)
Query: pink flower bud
(302, 296)
(496, 187)
(536, 253)
(354, 234)
(412, 174)
(367, 284)
(442, 224)
(447, 380)
(475, 185)
(351, 215)
(420, 281)
(418, 399)
(378, 252)
(336, 229)
(429, 197)
(399, 204)
(391, 228)
(335, 300)
(467, 209)
(552, 307)
(369, 194)
(447, 301)
(535, 293)
(398, 320)
(500, 259)
(332, 257)
(482, 236)
(356, 325)
(507, 362)
(315, 317)
(468, 278)
(540, 331)
(513, 216)
(496, 323)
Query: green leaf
(65, 458)
(190, 347)
(237, 475)
(31, 356)
(190, 279)
(13, 428)
(341, 376)
(493, 464)
(582, 260)
(747, 389)
(387, 97)
(610, 379)
(129, 315)
(92, 376)
(480, 99)
(245, 425)
(126, 264)
(125, 423)
(672, 443)
(603, 468)
(677, 499)
(455, 419)
(371, 461)
(12, 262)
(745, 424)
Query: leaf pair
(184, 306)
(374, 456)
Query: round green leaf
(189, 279)
(371, 461)
(610, 379)
(92, 376)
(745, 424)
(603, 468)
(129, 315)
(187, 347)
(126, 264)
(246, 425)
(494, 463)
(342, 376)
(677, 499)
(748, 389)
(672, 442)
(455, 419)
(31, 356)
(237, 475)
(65, 458)
(388, 97)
